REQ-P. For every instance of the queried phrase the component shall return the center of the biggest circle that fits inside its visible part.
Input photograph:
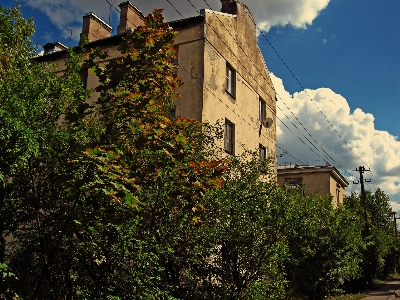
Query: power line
(259, 85)
(327, 156)
(305, 90)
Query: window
(174, 60)
(84, 77)
(261, 109)
(263, 152)
(229, 137)
(230, 80)
(172, 112)
(296, 181)
(337, 196)
(295, 185)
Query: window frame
(262, 109)
(229, 137)
(262, 150)
(172, 112)
(230, 80)
(84, 73)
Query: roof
(116, 39)
(313, 169)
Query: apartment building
(225, 76)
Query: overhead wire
(297, 82)
(181, 67)
(327, 156)
(274, 112)
(258, 83)
(311, 98)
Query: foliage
(94, 180)
(111, 198)
(378, 230)
(32, 99)
(325, 246)
(237, 249)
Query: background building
(324, 180)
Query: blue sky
(344, 53)
(352, 47)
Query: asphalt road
(385, 292)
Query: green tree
(32, 99)
(325, 246)
(377, 227)
(238, 248)
(90, 185)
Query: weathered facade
(324, 180)
(224, 74)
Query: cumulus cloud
(286, 12)
(68, 13)
(395, 206)
(347, 141)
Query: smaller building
(321, 179)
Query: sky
(335, 65)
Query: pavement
(387, 291)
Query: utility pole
(395, 230)
(367, 254)
(361, 170)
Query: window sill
(230, 94)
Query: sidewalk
(385, 292)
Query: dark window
(229, 137)
(295, 185)
(174, 60)
(263, 152)
(230, 80)
(84, 77)
(172, 112)
(338, 196)
(261, 109)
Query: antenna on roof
(70, 37)
(109, 14)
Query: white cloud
(298, 13)
(372, 148)
(66, 13)
(395, 206)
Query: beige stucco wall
(237, 47)
(190, 46)
(321, 182)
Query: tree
(238, 248)
(380, 254)
(32, 99)
(325, 246)
(87, 195)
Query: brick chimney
(229, 7)
(130, 17)
(95, 28)
(53, 47)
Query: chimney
(95, 28)
(53, 47)
(229, 7)
(130, 17)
